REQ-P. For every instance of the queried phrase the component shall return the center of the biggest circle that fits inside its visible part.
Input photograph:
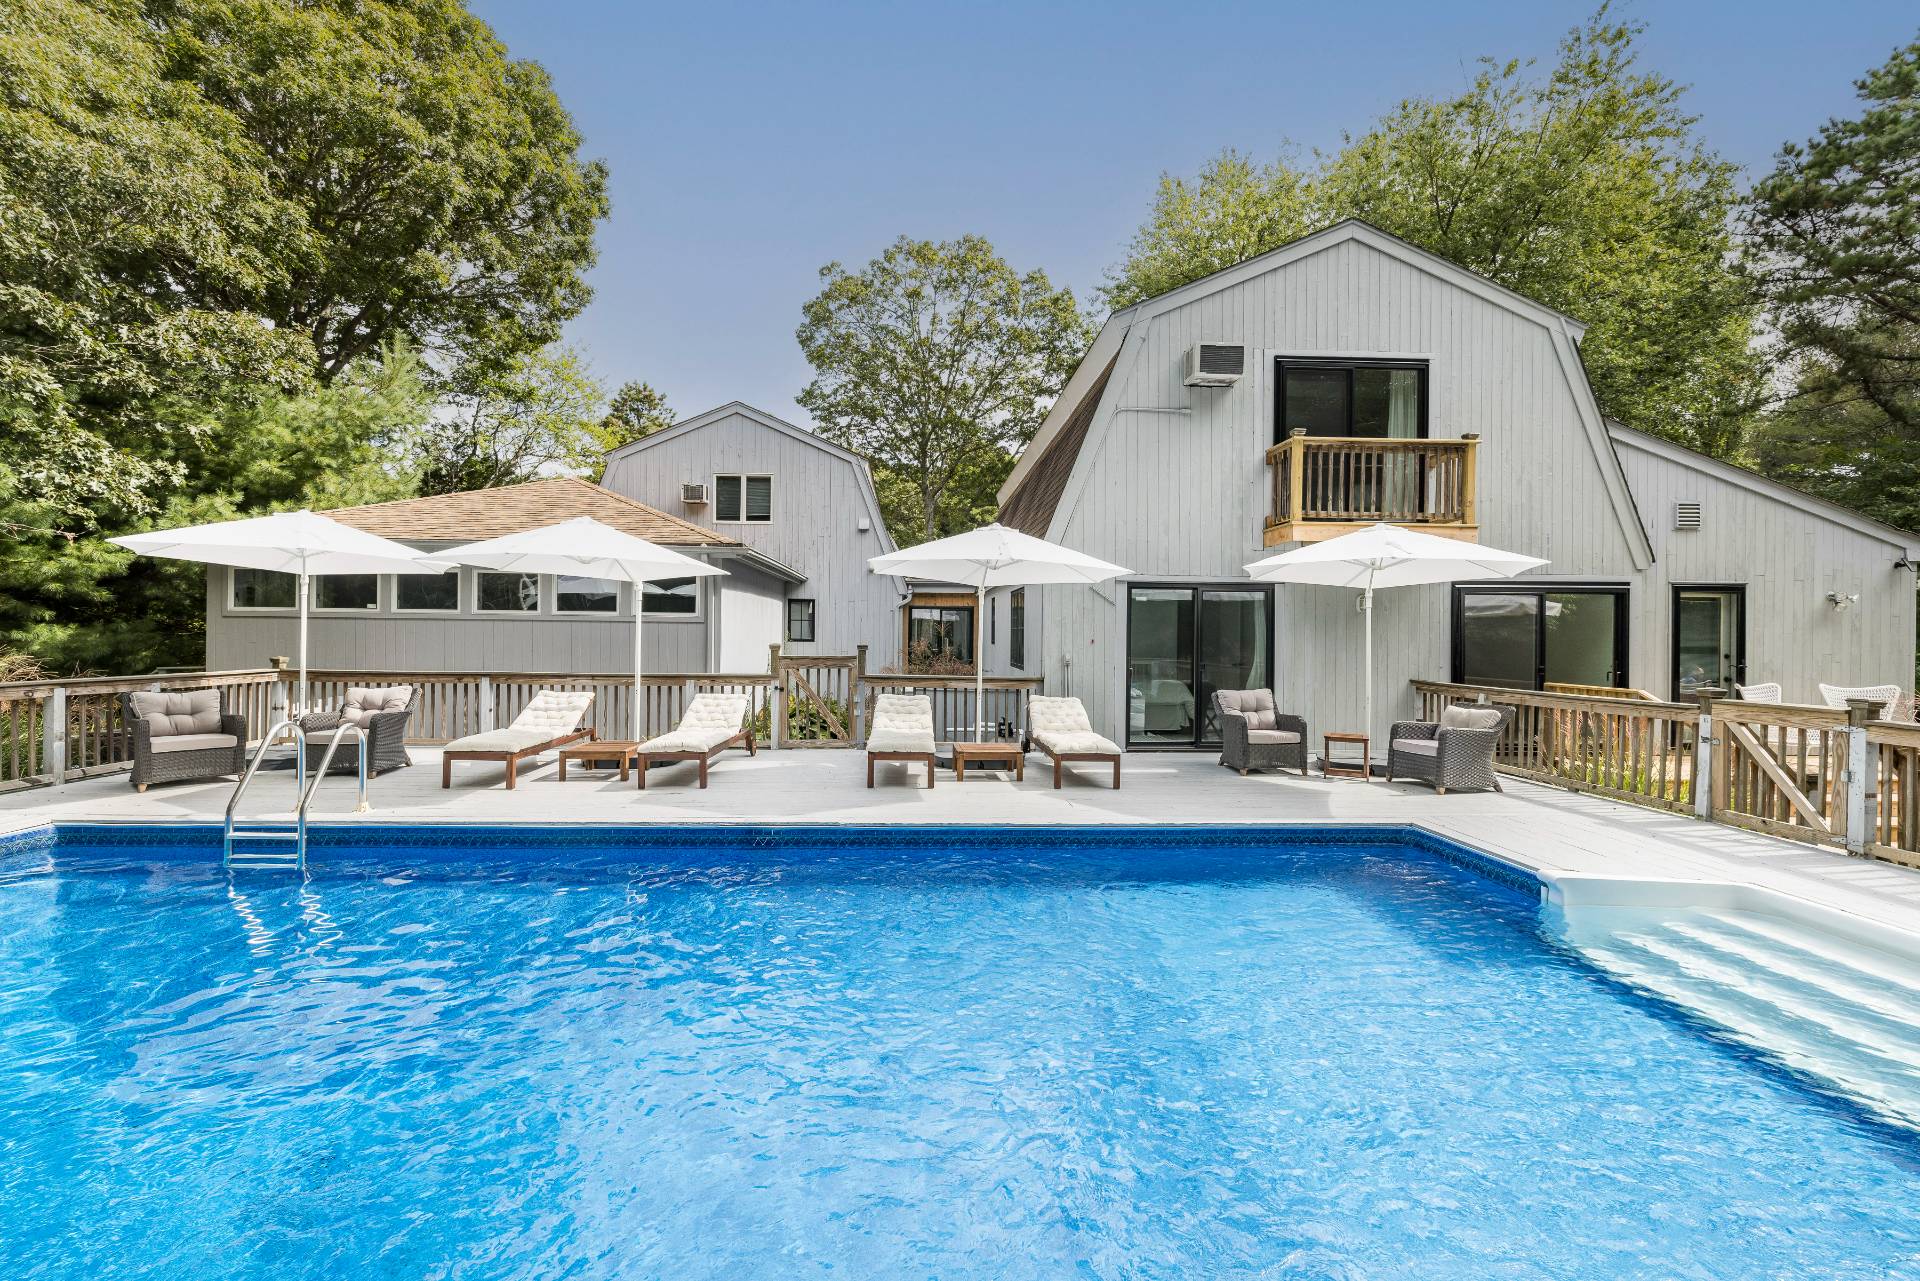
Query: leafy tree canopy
(1835, 239)
(635, 411)
(543, 414)
(937, 360)
(1583, 188)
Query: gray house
(1349, 378)
(479, 621)
(786, 493)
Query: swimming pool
(949, 1053)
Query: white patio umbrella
(993, 556)
(1388, 556)
(302, 543)
(585, 548)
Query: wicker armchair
(1454, 753)
(381, 714)
(183, 735)
(1255, 735)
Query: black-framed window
(1709, 637)
(433, 593)
(573, 594)
(670, 597)
(1017, 628)
(800, 617)
(1183, 643)
(264, 589)
(940, 632)
(346, 591)
(498, 592)
(743, 499)
(1529, 637)
(1381, 399)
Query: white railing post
(1703, 757)
(53, 735)
(485, 709)
(1860, 810)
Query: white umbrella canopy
(586, 548)
(994, 556)
(1388, 556)
(302, 543)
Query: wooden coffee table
(1330, 768)
(1006, 756)
(610, 750)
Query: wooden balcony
(1325, 486)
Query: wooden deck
(1556, 833)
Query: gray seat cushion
(363, 704)
(193, 742)
(1256, 705)
(1422, 746)
(190, 711)
(1272, 736)
(1458, 717)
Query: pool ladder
(281, 844)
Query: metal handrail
(260, 754)
(326, 759)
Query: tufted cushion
(1422, 746)
(554, 711)
(690, 740)
(193, 742)
(710, 720)
(901, 723)
(192, 711)
(1057, 716)
(1458, 717)
(363, 704)
(1080, 742)
(1272, 736)
(1255, 704)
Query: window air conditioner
(1216, 364)
(694, 493)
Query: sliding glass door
(1183, 643)
(1534, 638)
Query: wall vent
(1686, 515)
(1216, 364)
(694, 493)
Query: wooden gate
(819, 700)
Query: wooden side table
(1007, 756)
(1330, 768)
(616, 750)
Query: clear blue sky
(750, 144)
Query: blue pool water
(957, 1056)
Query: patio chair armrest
(1288, 721)
(1488, 738)
(381, 724)
(1233, 729)
(319, 722)
(235, 724)
(142, 731)
(1413, 729)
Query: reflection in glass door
(1183, 643)
(1709, 639)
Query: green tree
(542, 415)
(1583, 188)
(937, 361)
(1834, 236)
(636, 411)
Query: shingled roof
(509, 509)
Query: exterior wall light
(1841, 603)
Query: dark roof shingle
(509, 509)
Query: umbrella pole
(639, 689)
(1366, 608)
(300, 708)
(979, 664)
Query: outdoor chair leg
(513, 771)
(703, 771)
(1056, 773)
(869, 771)
(1116, 773)
(640, 768)
(446, 772)
(929, 773)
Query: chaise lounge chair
(1893, 705)
(1454, 753)
(381, 715)
(1059, 727)
(188, 734)
(901, 730)
(551, 720)
(1255, 734)
(711, 724)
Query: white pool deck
(1563, 836)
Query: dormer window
(743, 500)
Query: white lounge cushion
(552, 714)
(502, 740)
(1062, 725)
(710, 720)
(192, 742)
(901, 723)
(1460, 717)
(1417, 746)
(363, 704)
(1272, 736)
(187, 711)
(1077, 743)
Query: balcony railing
(1324, 486)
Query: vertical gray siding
(818, 504)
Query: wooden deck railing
(1842, 778)
(1326, 485)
